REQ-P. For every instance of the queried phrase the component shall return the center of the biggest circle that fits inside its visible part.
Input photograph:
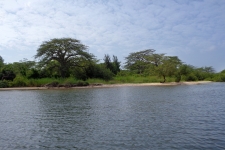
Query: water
(170, 117)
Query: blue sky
(193, 30)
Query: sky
(193, 30)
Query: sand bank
(109, 85)
(157, 84)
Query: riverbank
(109, 85)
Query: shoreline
(107, 86)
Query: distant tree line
(67, 57)
(148, 62)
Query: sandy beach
(109, 85)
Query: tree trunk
(164, 79)
(63, 71)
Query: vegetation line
(66, 62)
(107, 86)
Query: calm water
(171, 117)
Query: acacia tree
(139, 61)
(168, 67)
(67, 52)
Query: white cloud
(116, 27)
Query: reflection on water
(171, 117)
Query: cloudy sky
(193, 30)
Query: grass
(21, 81)
(140, 79)
(44, 81)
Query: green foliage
(220, 77)
(138, 61)
(103, 73)
(7, 72)
(191, 73)
(40, 82)
(22, 67)
(95, 71)
(114, 66)
(4, 84)
(33, 74)
(124, 73)
(20, 81)
(1, 62)
(150, 63)
(70, 80)
(190, 77)
(135, 78)
(169, 67)
(96, 81)
(177, 77)
(82, 83)
(53, 82)
(223, 72)
(107, 62)
(66, 62)
(66, 52)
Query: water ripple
(176, 117)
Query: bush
(177, 78)
(52, 84)
(33, 74)
(82, 83)
(4, 84)
(190, 77)
(19, 81)
(99, 71)
(219, 78)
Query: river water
(144, 117)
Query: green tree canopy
(67, 52)
(139, 61)
(23, 66)
(113, 66)
(116, 65)
(168, 67)
(7, 72)
(1, 61)
(108, 62)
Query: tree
(7, 72)
(168, 67)
(204, 72)
(67, 52)
(207, 69)
(23, 67)
(1, 61)
(223, 71)
(108, 62)
(99, 71)
(155, 59)
(114, 66)
(139, 61)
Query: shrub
(177, 78)
(53, 84)
(82, 83)
(19, 81)
(33, 74)
(191, 77)
(70, 80)
(219, 78)
(4, 84)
